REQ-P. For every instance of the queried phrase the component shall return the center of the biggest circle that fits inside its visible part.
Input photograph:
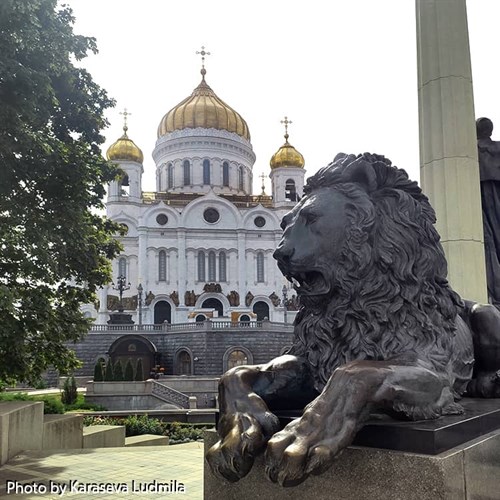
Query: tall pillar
(242, 274)
(181, 265)
(449, 171)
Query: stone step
(62, 432)
(103, 436)
(146, 440)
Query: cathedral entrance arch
(261, 309)
(133, 348)
(213, 303)
(163, 312)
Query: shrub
(69, 394)
(52, 404)
(129, 371)
(139, 371)
(108, 375)
(98, 372)
(118, 371)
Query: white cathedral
(200, 246)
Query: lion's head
(365, 259)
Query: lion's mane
(389, 293)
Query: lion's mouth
(308, 282)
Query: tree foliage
(118, 371)
(129, 371)
(98, 371)
(139, 371)
(54, 247)
(108, 373)
(69, 394)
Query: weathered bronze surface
(379, 328)
(489, 168)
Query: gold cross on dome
(286, 122)
(125, 113)
(203, 53)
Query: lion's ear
(362, 172)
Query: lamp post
(139, 302)
(284, 291)
(121, 287)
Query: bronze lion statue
(379, 327)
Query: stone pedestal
(468, 472)
(449, 171)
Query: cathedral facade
(200, 247)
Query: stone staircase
(23, 426)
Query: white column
(181, 264)
(142, 271)
(242, 266)
(448, 150)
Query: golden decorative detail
(125, 148)
(287, 155)
(203, 108)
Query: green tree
(69, 393)
(118, 371)
(54, 246)
(108, 374)
(98, 372)
(129, 371)
(139, 371)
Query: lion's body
(389, 294)
(379, 327)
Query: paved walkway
(141, 472)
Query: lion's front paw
(301, 449)
(244, 437)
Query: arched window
(122, 267)
(124, 188)
(162, 266)
(241, 184)
(222, 267)
(201, 265)
(225, 174)
(237, 358)
(260, 267)
(290, 191)
(170, 176)
(206, 171)
(211, 267)
(261, 309)
(187, 173)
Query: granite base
(470, 471)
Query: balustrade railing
(169, 395)
(201, 326)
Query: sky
(344, 72)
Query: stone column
(181, 265)
(448, 150)
(242, 275)
(143, 271)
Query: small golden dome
(203, 109)
(287, 156)
(125, 149)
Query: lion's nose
(283, 253)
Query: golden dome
(287, 156)
(203, 109)
(125, 149)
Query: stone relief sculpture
(379, 327)
(489, 169)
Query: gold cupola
(287, 155)
(203, 108)
(125, 149)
